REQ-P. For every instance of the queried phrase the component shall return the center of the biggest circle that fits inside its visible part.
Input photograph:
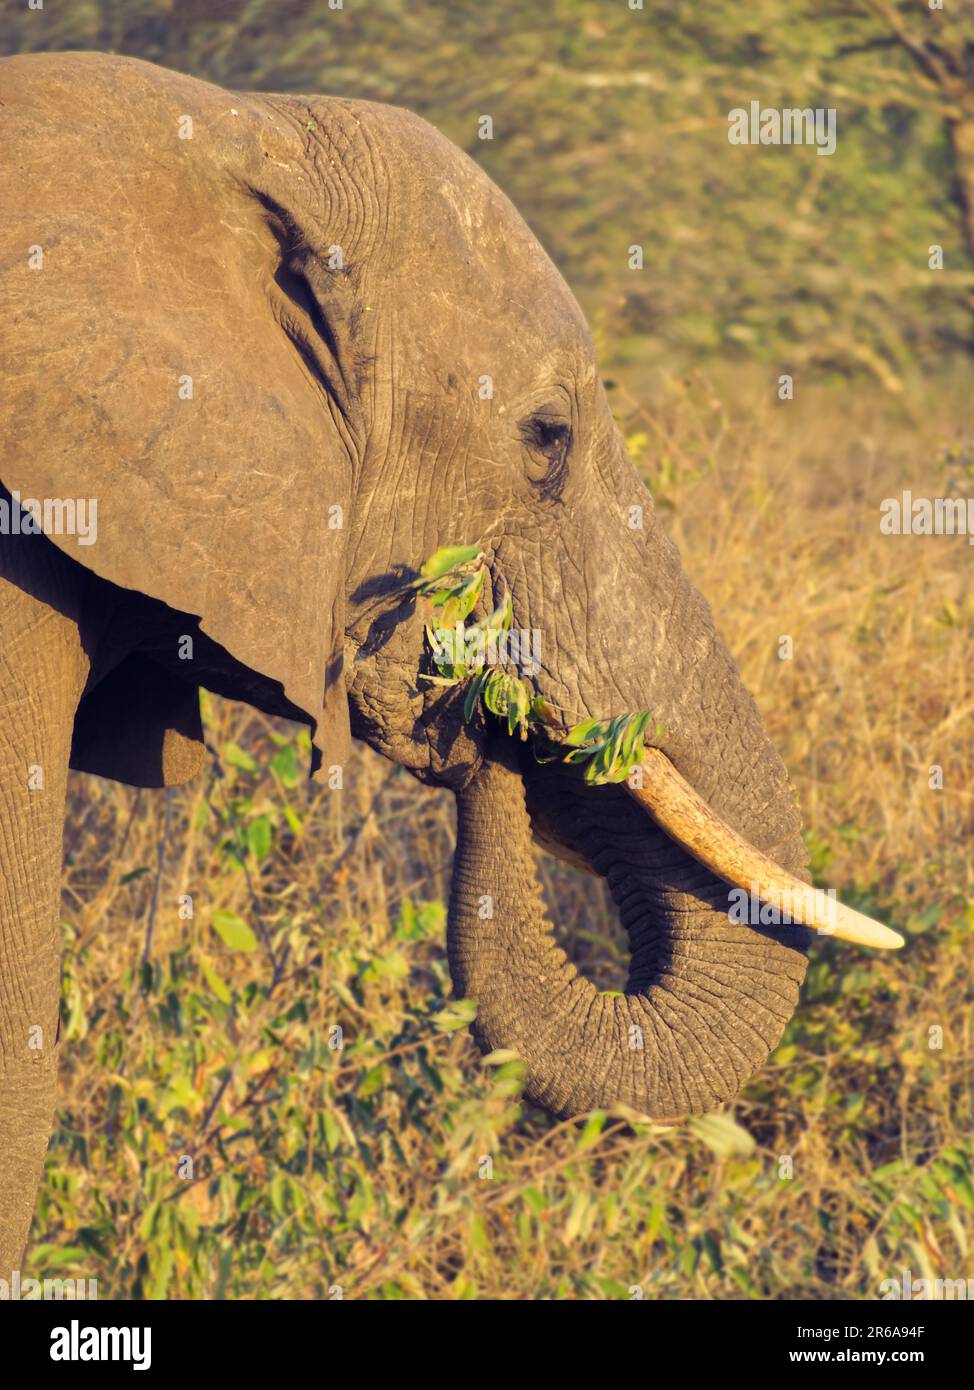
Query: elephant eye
(549, 442)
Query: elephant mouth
(710, 990)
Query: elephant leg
(42, 673)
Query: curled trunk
(707, 998)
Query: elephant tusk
(687, 819)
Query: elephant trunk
(707, 998)
(710, 988)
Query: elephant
(262, 356)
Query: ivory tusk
(687, 819)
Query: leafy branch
(452, 580)
(609, 749)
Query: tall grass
(215, 1140)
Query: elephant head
(295, 345)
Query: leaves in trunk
(449, 562)
(507, 697)
(609, 749)
(459, 651)
(453, 580)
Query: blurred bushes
(610, 130)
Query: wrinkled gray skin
(360, 387)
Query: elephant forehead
(458, 240)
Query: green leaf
(284, 765)
(277, 1191)
(723, 1135)
(593, 1128)
(473, 694)
(371, 1082)
(259, 836)
(447, 558)
(921, 922)
(499, 1057)
(236, 757)
(393, 964)
(432, 918)
(477, 1234)
(459, 602)
(51, 1258)
(233, 931)
(495, 692)
(333, 1132)
(581, 733)
(150, 1221)
(610, 749)
(219, 986)
(162, 1275)
(182, 1095)
(459, 1013)
(712, 1250)
(135, 873)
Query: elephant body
(290, 346)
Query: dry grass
(363, 1168)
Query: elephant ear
(161, 366)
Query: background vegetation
(316, 1170)
(610, 129)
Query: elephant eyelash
(552, 439)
